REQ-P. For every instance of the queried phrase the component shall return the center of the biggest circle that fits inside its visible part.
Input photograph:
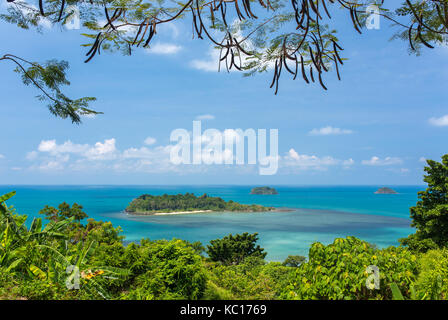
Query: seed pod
(303, 70)
(61, 11)
(311, 74)
(410, 37)
(321, 82)
(41, 7)
(325, 8)
(353, 20)
(337, 68)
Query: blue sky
(373, 127)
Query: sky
(375, 127)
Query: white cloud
(2, 156)
(164, 48)
(439, 122)
(311, 162)
(205, 117)
(422, 159)
(67, 147)
(376, 161)
(348, 162)
(149, 141)
(210, 64)
(329, 130)
(32, 155)
(101, 151)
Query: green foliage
(263, 190)
(430, 215)
(48, 78)
(64, 211)
(233, 249)
(339, 271)
(164, 270)
(396, 293)
(432, 281)
(147, 204)
(253, 279)
(294, 261)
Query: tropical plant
(430, 215)
(340, 271)
(233, 249)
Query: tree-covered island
(263, 190)
(147, 204)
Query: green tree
(430, 214)
(298, 37)
(294, 261)
(233, 249)
(339, 271)
(64, 211)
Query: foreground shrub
(432, 281)
(253, 279)
(164, 270)
(339, 271)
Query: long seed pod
(355, 13)
(303, 70)
(41, 7)
(321, 82)
(196, 27)
(419, 34)
(297, 66)
(313, 7)
(151, 34)
(94, 44)
(326, 10)
(313, 59)
(355, 24)
(94, 48)
(275, 74)
(336, 52)
(278, 77)
(311, 73)
(337, 68)
(138, 32)
(61, 11)
(225, 55)
(238, 12)
(286, 65)
(410, 38)
(262, 4)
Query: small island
(263, 190)
(386, 191)
(148, 204)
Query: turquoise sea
(320, 213)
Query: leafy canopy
(430, 214)
(233, 249)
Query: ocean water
(320, 213)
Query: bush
(338, 271)
(432, 281)
(164, 270)
(233, 249)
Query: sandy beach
(180, 212)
